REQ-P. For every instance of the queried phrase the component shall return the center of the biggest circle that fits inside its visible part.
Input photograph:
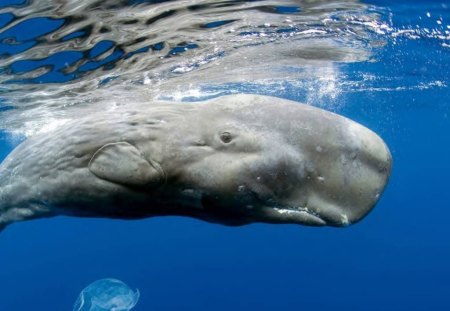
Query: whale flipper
(124, 164)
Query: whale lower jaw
(300, 215)
(304, 216)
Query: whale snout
(344, 168)
(349, 186)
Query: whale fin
(123, 163)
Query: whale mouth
(286, 213)
(297, 215)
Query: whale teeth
(344, 220)
(297, 209)
(300, 215)
(287, 211)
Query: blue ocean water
(395, 259)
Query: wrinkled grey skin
(232, 160)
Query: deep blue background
(395, 259)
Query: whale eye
(226, 137)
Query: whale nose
(348, 187)
(344, 170)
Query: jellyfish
(107, 295)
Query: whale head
(254, 158)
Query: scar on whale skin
(232, 160)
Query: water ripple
(57, 57)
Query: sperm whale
(232, 160)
